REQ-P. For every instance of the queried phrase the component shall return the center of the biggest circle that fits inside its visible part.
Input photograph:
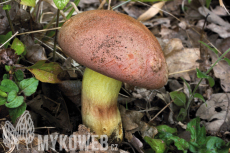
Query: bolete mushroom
(115, 48)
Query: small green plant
(199, 142)
(17, 45)
(179, 98)
(11, 92)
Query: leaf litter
(55, 105)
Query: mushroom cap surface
(116, 45)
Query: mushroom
(115, 48)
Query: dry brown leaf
(151, 12)
(219, 11)
(214, 110)
(213, 18)
(180, 59)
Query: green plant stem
(55, 39)
(9, 20)
(196, 87)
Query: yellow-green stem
(99, 104)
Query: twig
(160, 111)
(75, 7)
(181, 71)
(5, 2)
(38, 31)
(55, 38)
(9, 39)
(109, 4)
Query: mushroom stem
(99, 104)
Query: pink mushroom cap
(115, 45)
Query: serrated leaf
(4, 38)
(46, 72)
(14, 100)
(178, 97)
(227, 60)
(60, 3)
(28, 2)
(8, 85)
(2, 100)
(18, 46)
(156, 144)
(16, 112)
(28, 86)
(197, 95)
(19, 75)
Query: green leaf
(28, 2)
(212, 49)
(214, 143)
(60, 3)
(227, 60)
(46, 72)
(8, 85)
(12, 95)
(182, 114)
(198, 134)
(7, 68)
(180, 143)
(4, 38)
(19, 75)
(211, 81)
(18, 46)
(156, 144)
(28, 86)
(3, 94)
(165, 128)
(178, 97)
(208, 3)
(16, 112)
(6, 7)
(199, 96)
(14, 100)
(165, 133)
(203, 75)
(6, 76)
(2, 100)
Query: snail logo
(24, 130)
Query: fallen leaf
(151, 12)
(46, 72)
(214, 111)
(180, 59)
